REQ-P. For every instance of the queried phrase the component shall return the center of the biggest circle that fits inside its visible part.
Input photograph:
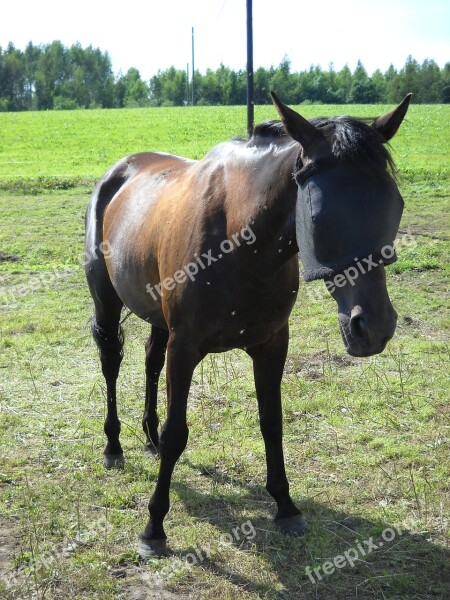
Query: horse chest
(253, 311)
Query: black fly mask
(348, 204)
(342, 216)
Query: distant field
(367, 441)
(80, 145)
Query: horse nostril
(359, 328)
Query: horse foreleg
(155, 355)
(181, 362)
(268, 365)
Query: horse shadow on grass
(342, 556)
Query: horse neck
(272, 195)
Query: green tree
(98, 77)
(53, 76)
(344, 80)
(261, 82)
(445, 89)
(429, 83)
(281, 82)
(168, 88)
(134, 91)
(391, 79)
(406, 81)
(208, 92)
(363, 90)
(12, 80)
(379, 84)
(32, 54)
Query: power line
(221, 9)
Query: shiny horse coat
(206, 252)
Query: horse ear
(389, 123)
(297, 126)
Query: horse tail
(102, 195)
(108, 305)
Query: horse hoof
(152, 549)
(292, 526)
(113, 461)
(151, 451)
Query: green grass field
(366, 440)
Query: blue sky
(154, 35)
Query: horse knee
(173, 440)
(110, 346)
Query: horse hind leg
(108, 336)
(106, 328)
(155, 355)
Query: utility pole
(193, 69)
(187, 84)
(250, 97)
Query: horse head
(347, 216)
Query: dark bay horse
(207, 253)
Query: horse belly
(133, 231)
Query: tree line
(52, 76)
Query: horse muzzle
(365, 336)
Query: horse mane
(354, 141)
(268, 132)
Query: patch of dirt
(8, 257)
(428, 230)
(8, 539)
(141, 585)
(315, 366)
(10, 578)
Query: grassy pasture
(366, 440)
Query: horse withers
(206, 252)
